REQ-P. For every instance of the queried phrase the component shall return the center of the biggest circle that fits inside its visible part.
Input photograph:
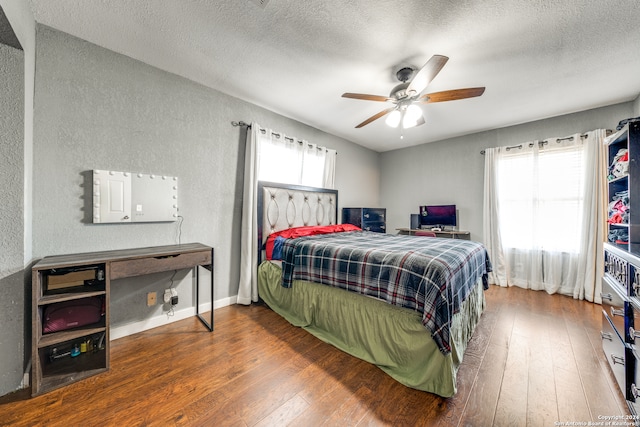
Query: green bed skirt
(392, 338)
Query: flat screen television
(438, 216)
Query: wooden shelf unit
(52, 367)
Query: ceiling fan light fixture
(393, 119)
(409, 92)
(411, 116)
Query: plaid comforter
(430, 275)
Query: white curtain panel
(248, 288)
(595, 226)
(275, 157)
(544, 214)
(492, 239)
(328, 180)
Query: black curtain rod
(543, 142)
(277, 135)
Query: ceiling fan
(407, 96)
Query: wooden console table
(69, 282)
(465, 235)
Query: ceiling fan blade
(375, 117)
(452, 95)
(366, 97)
(426, 74)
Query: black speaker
(415, 221)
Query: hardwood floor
(535, 360)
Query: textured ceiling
(537, 58)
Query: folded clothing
(619, 236)
(619, 167)
(623, 123)
(619, 208)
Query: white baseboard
(25, 376)
(143, 325)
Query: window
(541, 196)
(544, 212)
(279, 161)
(294, 162)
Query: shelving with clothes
(623, 176)
(621, 279)
(619, 166)
(618, 217)
(619, 208)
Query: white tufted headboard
(282, 206)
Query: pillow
(274, 243)
(278, 243)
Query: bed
(413, 320)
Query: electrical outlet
(167, 296)
(174, 296)
(151, 299)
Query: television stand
(464, 235)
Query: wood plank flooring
(535, 360)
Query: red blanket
(310, 230)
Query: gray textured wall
(20, 16)
(15, 304)
(452, 171)
(636, 106)
(12, 305)
(97, 109)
